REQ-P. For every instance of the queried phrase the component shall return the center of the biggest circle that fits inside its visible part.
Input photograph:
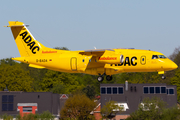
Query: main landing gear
(101, 77)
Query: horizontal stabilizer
(35, 66)
(16, 26)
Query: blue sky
(82, 24)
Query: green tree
(36, 74)
(54, 78)
(176, 81)
(151, 109)
(138, 77)
(110, 109)
(15, 78)
(8, 61)
(89, 91)
(78, 107)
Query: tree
(138, 77)
(110, 109)
(15, 78)
(150, 109)
(176, 81)
(78, 107)
(89, 91)
(8, 61)
(54, 78)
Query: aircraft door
(143, 60)
(73, 64)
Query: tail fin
(26, 43)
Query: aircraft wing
(94, 52)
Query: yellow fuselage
(108, 62)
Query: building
(14, 103)
(131, 95)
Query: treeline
(17, 76)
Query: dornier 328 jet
(101, 62)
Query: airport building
(129, 96)
(14, 103)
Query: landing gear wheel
(100, 78)
(163, 77)
(108, 77)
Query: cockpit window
(154, 57)
(161, 56)
(158, 56)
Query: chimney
(126, 85)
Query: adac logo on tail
(29, 42)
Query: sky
(85, 24)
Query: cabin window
(154, 57)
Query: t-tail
(26, 43)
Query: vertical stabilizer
(26, 43)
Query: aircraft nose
(174, 66)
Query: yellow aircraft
(99, 62)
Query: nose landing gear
(163, 76)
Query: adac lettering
(129, 61)
(28, 40)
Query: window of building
(114, 90)
(146, 90)
(108, 90)
(151, 90)
(157, 89)
(163, 89)
(170, 91)
(27, 109)
(120, 90)
(7, 102)
(103, 90)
